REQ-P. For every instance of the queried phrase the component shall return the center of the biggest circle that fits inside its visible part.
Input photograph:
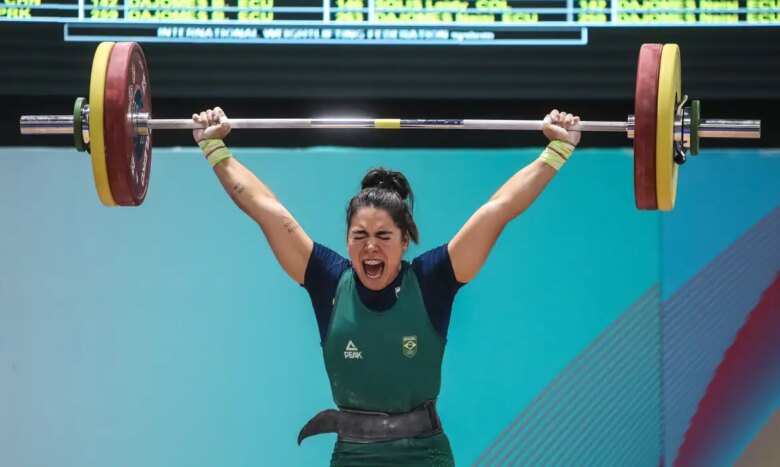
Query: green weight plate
(78, 119)
(695, 119)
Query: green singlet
(388, 361)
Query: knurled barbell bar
(116, 126)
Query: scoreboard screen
(396, 22)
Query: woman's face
(375, 246)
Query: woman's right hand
(557, 127)
(217, 125)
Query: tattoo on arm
(238, 188)
(290, 224)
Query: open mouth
(373, 268)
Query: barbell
(116, 126)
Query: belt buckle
(430, 408)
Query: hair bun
(390, 191)
(387, 180)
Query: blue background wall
(167, 335)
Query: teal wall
(167, 335)
(720, 251)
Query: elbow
(256, 206)
(502, 209)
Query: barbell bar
(144, 124)
(117, 126)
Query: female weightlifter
(382, 320)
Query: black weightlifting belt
(356, 426)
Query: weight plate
(128, 155)
(96, 145)
(645, 119)
(78, 125)
(669, 94)
(695, 119)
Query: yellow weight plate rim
(669, 94)
(97, 146)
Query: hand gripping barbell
(116, 127)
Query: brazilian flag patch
(410, 346)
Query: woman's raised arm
(290, 244)
(472, 244)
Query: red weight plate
(645, 113)
(128, 155)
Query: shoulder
(434, 259)
(434, 267)
(328, 258)
(324, 265)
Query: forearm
(250, 194)
(244, 188)
(520, 191)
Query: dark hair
(389, 190)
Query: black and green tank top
(388, 361)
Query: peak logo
(352, 352)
